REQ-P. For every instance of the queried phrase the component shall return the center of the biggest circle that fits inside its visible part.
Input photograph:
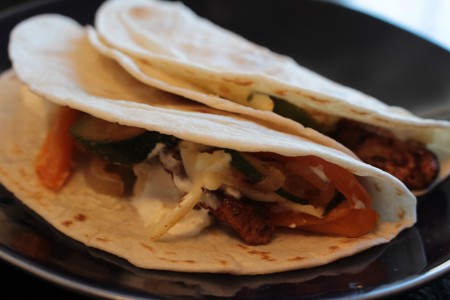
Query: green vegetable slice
(291, 197)
(239, 161)
(337, 199)
(293, 112)
(116, 143)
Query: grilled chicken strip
(411, 162)
(248, 218)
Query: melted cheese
(261, 102)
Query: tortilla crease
(72, 73)
(164, 44)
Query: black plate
(341, 44)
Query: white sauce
(155, 195)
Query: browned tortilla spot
(264, 255)
(333, 248)
(103, 240)
(242, 246)
(347, 241)
(189, 261)
(381, 120)
(223, 262)
(140, 12)
(258, 252)
(319, 100)
(200, 109)
(80, 217)
(170, 253)
(238, 81)
(401, 213)
(145, 62)
(223, 90)
(376, 187)
(22, 172)
(37, 196)
(281, 92)
(147, 247)
(398, 191)
(297, 258)
(358, 112)
(67, 223)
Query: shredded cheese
(169, 219)
(319, 172)
(205, 170)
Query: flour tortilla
(165, 41)
(72, 73)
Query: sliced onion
(274, 179)
(103, 177)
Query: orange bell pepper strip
(345, 219)
(356, 222)
(341, 221)
(343, 180)
(55, 159)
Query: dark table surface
(16, 283)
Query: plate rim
(91, 289)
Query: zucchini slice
(243, 164)
(116, 143)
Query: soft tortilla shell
(60, 75)
(162, 41)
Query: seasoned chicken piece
(248, 218)
(411, 162)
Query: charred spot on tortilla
(401, 213)
(80, 217)
(320, 100)
(238, 81)
(140, 12)
(333, 248)
(281, 93)
(105, 240)
(223, 262)
(67, 223)
(150, 248)
(296, 258)
(264, 255)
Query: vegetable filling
(252, 193)
(411, 162)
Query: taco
(161, 41)
(171, 184)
